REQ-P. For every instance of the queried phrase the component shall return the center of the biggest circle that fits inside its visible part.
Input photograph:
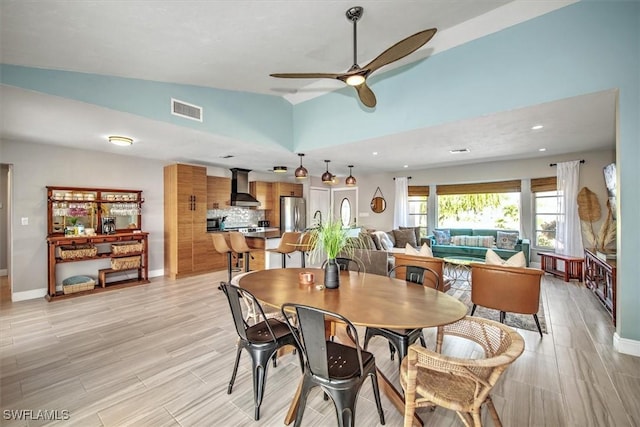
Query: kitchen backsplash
(237, 217)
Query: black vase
(331, 274)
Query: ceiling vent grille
(186, 110)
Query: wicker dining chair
(463, 385)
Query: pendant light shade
(351, 180)
(327, 177)
(301, 172)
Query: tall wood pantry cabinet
(186, 241)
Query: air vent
(186, 110)
(459, 150)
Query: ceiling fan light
(280, 169)
(355, 80)
(121, 141)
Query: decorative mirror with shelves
(81, 211)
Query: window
(418, 196)
(481, 205)
(546, 211)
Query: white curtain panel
(401, 208)
(568, 232)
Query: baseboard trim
(156, 273)
(4, 272)
(626, 346)
(26, 295)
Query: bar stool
(288, 244)
(221, 246)
(304, 246)
(239, 246)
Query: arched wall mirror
(345, 212)
(378, 203)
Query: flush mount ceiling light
(351, 180)
(122, 141)
(537, 127)
(301, 172)
(327, 177)
(280, 169)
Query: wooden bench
(103, 272)
(572, 265)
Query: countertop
(272, 233)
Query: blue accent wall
(237, 115)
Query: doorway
(5, 233)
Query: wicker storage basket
(78, 251)
(126, 248)
(74, 284)
(125, 263)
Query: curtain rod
(555, 164)
(407, 178)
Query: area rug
(462, 291)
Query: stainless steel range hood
(240, 189)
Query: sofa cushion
(416, 230)
(477, 241)
(506, 240)
(517, 260)
(404, 237)
(425, 250)
(443, 237)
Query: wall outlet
(25, 220)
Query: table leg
(395, 397)
(293, 408)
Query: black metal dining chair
(401, 339)
(261, 340)
(346, 264)
(338, 369)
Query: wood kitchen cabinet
(263, 192)
(187, 245)
(218, 192)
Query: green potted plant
(330, 238)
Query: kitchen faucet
(318, 216)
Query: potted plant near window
(331, 239)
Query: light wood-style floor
(161, 355)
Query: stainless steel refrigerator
(293, 214)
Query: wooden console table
(600, 277)
(572, 265)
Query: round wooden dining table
(365, 299)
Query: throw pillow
(385, 242)
(478, 241)
(416, 230)
(425, 251)
(404, 237)
(443, 237)
(506, 240)
(366, 241)
(517, 260)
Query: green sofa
(449, 250)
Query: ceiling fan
(356, 76)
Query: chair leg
(376, 395)
(473, 309)
(229, 266)
(493, 412)
(535, 317)
(284, 261)
(302, 402)
(367, 336)
(260, 364)
(392, 351)
(246, 262)
(502, 316)
(345, 403)
(235, 370)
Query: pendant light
(351, 180)
(301, 172)
(327, 177)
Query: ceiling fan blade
(401, 49)
(366, 95)
(305, 75)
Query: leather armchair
(508, 289)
